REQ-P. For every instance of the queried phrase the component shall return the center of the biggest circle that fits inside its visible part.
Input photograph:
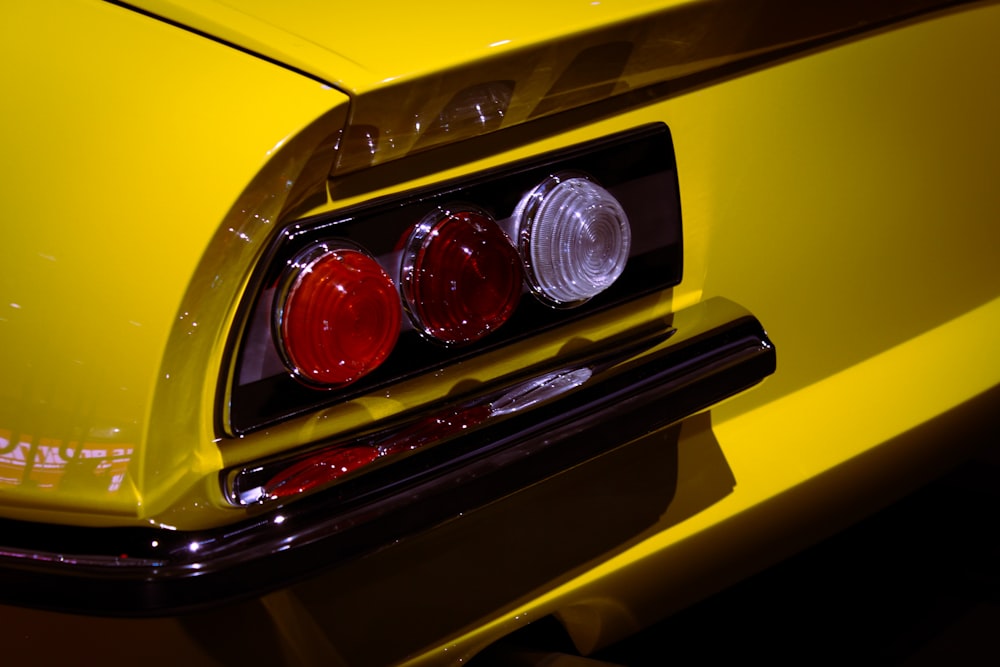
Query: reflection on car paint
(46, 463)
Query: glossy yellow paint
(847, 198)
(845, 195)
(415, 71)
(117, 175)
(396, 41)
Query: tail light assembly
(353, 302)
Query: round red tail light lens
(460, 275)
(574, 238)
(337, 315)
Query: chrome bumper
(600, 401)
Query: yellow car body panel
(396, 42)
(844, 192)
(140, 179)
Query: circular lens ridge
(339, 315)
(574, 237)
(460, 276)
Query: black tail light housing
(473, 234)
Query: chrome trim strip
(704, 354)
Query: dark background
(916, 584)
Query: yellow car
(367, 334)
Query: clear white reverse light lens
(574, 239)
